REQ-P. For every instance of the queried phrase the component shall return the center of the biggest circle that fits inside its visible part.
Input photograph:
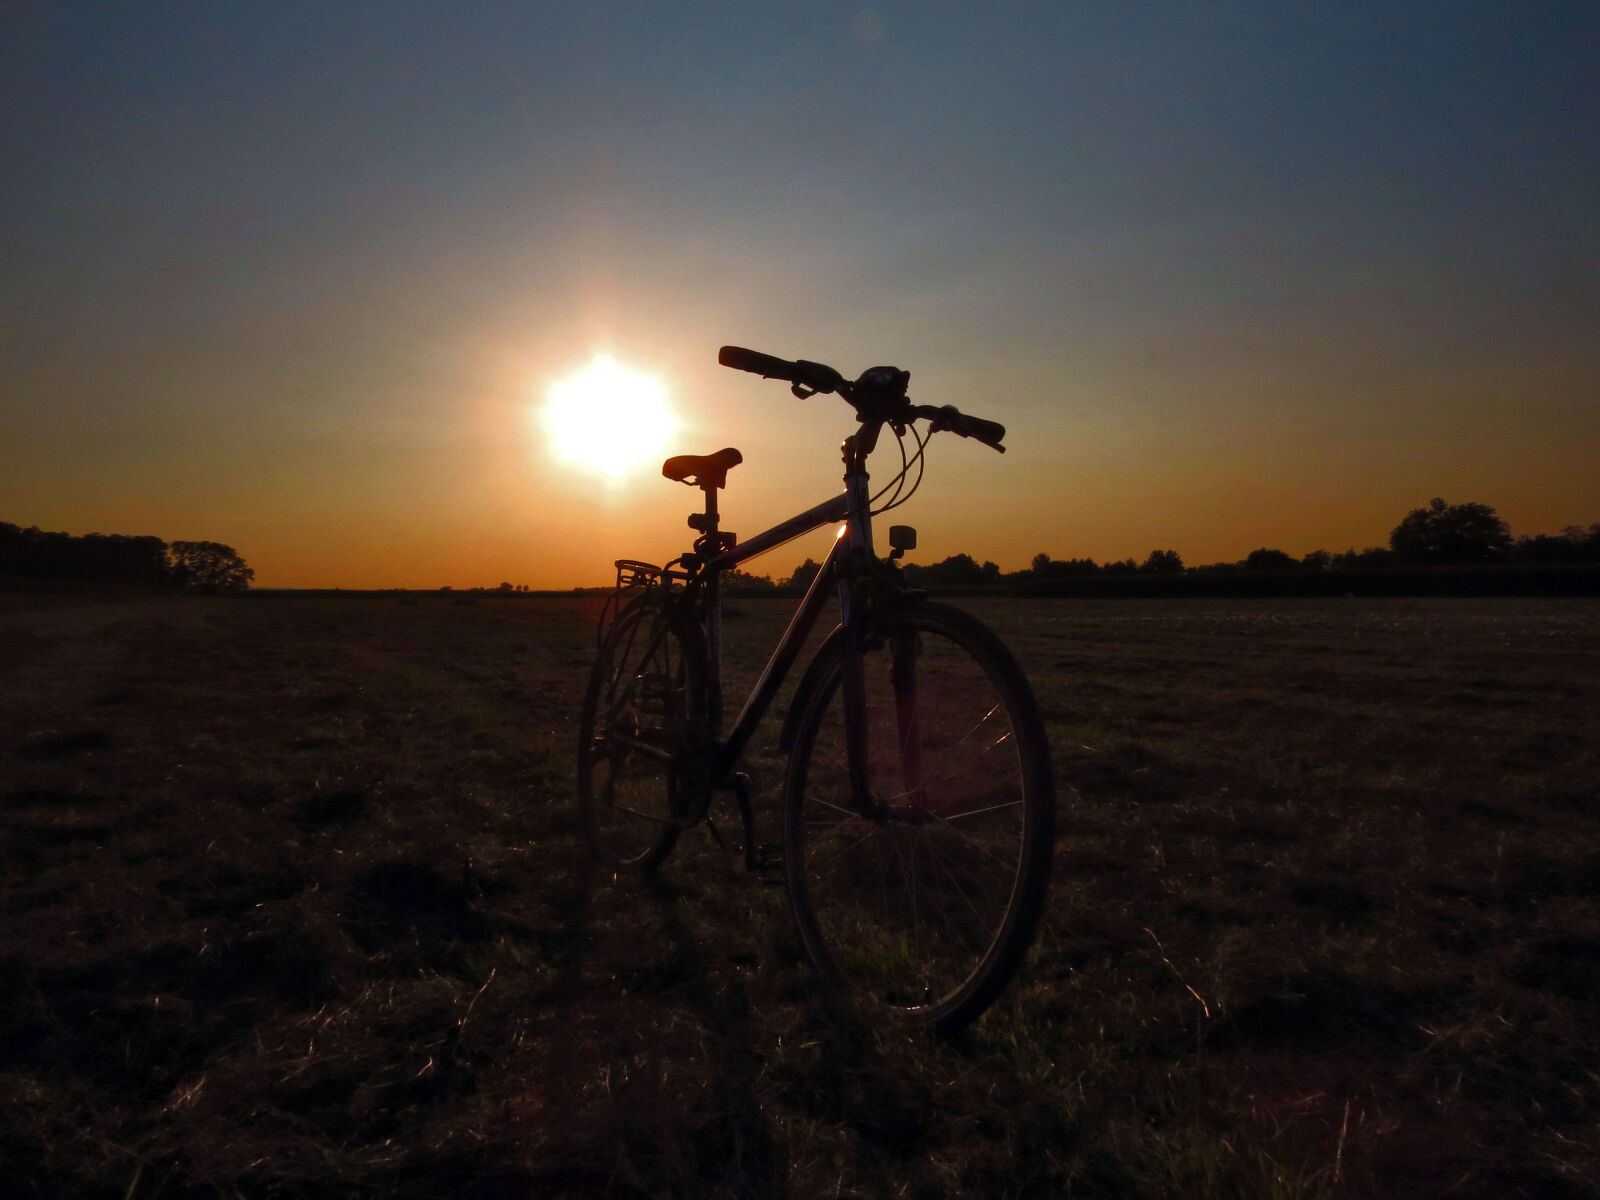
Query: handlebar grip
(990, 433)
(756, 363)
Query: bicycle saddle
(702, 470)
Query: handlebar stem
(858, 494)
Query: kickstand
(741, 793)
(765, 859)
(741, 796)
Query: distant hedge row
(121, 560)
(1576, 579)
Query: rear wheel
(916, 890)
(643, 711)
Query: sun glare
(608, 417)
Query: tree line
(1438, 534)
(120, 559)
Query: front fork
(856, 563)
(868, 591)
(866, 629)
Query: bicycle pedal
(769, 859)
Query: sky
(299, 277)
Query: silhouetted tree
(1572, 545)
(1543, 548)
(1451, 533)
(741, 581)
(1317, 560)
(1586, 540)
(117, 558)
(1269, 560)
(803, 575)
(1372, 556)
(94, 558)
(1163, 562)
(958, 570)
(209, 567)
(1125, 566)
(1045, 567)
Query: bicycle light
(902, 538)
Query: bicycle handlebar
(756, 363)
(819, 377)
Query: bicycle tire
(642, 712)
(924, 908)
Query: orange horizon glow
(520, 516)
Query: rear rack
(634, 576)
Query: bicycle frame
(852, 547)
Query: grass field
(294, 906)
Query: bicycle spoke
(650, 749)
(634, 812)
(849, 812)
(977, 812)
(955, 883)
(842, 851)
(1000, 864)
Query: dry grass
(293, 907)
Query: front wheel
(916, 881)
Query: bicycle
(918, 799)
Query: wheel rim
(909, 904)
(635, 724)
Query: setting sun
(608, 417)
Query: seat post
(707, 545)
(706, 522)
